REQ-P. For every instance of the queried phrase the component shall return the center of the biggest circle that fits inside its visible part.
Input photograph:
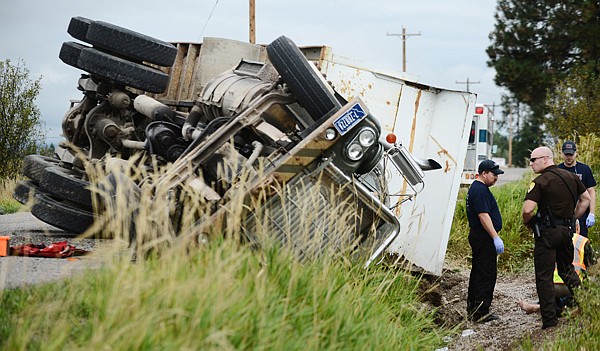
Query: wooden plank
(185, 91)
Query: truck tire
(67, 184)
(122, 42)
(24, 191)
(113, 68)
(78, 27)
(61, 214)
(310, 89)
(34, 165)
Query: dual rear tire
(58, 195)
(118, 54)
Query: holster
(535, 223)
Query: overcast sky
(450, 48)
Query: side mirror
(411, 167)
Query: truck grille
(324, 212)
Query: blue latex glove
(591, 220)
(499, 244)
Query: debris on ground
(60, 249)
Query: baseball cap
(490, 166)
(569, 147)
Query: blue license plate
(350, 118)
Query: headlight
(366, 137)
(354, 152)
(330, 134)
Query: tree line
(546, 54)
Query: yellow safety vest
(579, 242)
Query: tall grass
(221, 295)
(7, 203)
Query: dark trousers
(483, 276)
(555, 245)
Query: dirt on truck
(293, 123)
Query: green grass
(222, 297)
(7, 203)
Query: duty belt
(563, 221)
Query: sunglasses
(535, 158)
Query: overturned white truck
(220, 109)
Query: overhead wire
(208, 20)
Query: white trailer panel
(431, 123)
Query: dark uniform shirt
(550, 192)
(584, 172)
(479, 200)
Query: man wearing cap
(485, 222)
(584, 172)
(559, 196)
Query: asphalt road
(511, 175)
(24, 228)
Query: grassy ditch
(221, 295)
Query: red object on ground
(59, 249)
(4, 245)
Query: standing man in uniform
(559, 196)
(485, 222)
(584, 172)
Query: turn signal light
(390, 138)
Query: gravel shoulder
(449, 294)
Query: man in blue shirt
(485, 222)
(584, 172)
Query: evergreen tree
(535, 44)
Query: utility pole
(468, 83)
(252, 22)
(404, 35)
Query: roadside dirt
(448, 294)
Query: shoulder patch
(531, 186)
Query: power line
(208, 20)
